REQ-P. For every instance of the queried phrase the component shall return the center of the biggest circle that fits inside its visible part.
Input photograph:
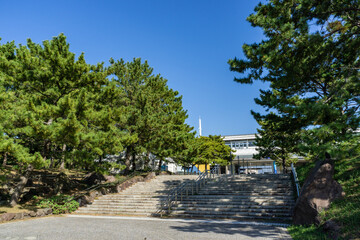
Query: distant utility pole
(199, 126)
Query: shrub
(59, 204)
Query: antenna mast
(200, 126)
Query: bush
(59, 204)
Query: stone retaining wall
(83, 200)
(5, 217)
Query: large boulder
(94, 178)
(318, 191)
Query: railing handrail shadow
(296, 180)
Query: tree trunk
(15, 197)
(62, 164)
(160, 163)
(5, 159)
(133, 161)
(284, 167)
(147, 160)
(127, 162)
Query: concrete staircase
(141, 199)
(264, 197)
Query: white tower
(199, 126)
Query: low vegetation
(59, 204)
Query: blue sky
(187, 42)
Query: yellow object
(201, 167)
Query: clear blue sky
(187, 42)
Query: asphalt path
(75, 227)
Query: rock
(103, 191)
(32, 214)
(94, 178)
(62, 183)
(40, 213)
(319, 190)
(26, 215)
(332, 228)
(7, 217)
(18, 216)
(47, 211)
(110, 179)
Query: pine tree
(154, 117)
(49, 108)
(310, 57)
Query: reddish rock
(110, 179)
(319, 190)
(7, 217)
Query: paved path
(103, 228)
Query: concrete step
(125, 209)
(285, 219)
(145, 214)
(232, 214)
(236, 197)
(234, 205)
(233, 209)
(248, 193)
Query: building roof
(239, 137)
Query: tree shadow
(243, 207)
(249, 230)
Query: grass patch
(346, 212)
(309, 233)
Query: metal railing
(187, 188)
(296, 180)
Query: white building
(244, 162)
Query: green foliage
(59, 204)
(153, 114)
(57, 111)
(277, 138)
(309, 233)
(212, 150)
(310, 58)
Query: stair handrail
(296, 180)
(178, 191)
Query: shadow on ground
(252, 231)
